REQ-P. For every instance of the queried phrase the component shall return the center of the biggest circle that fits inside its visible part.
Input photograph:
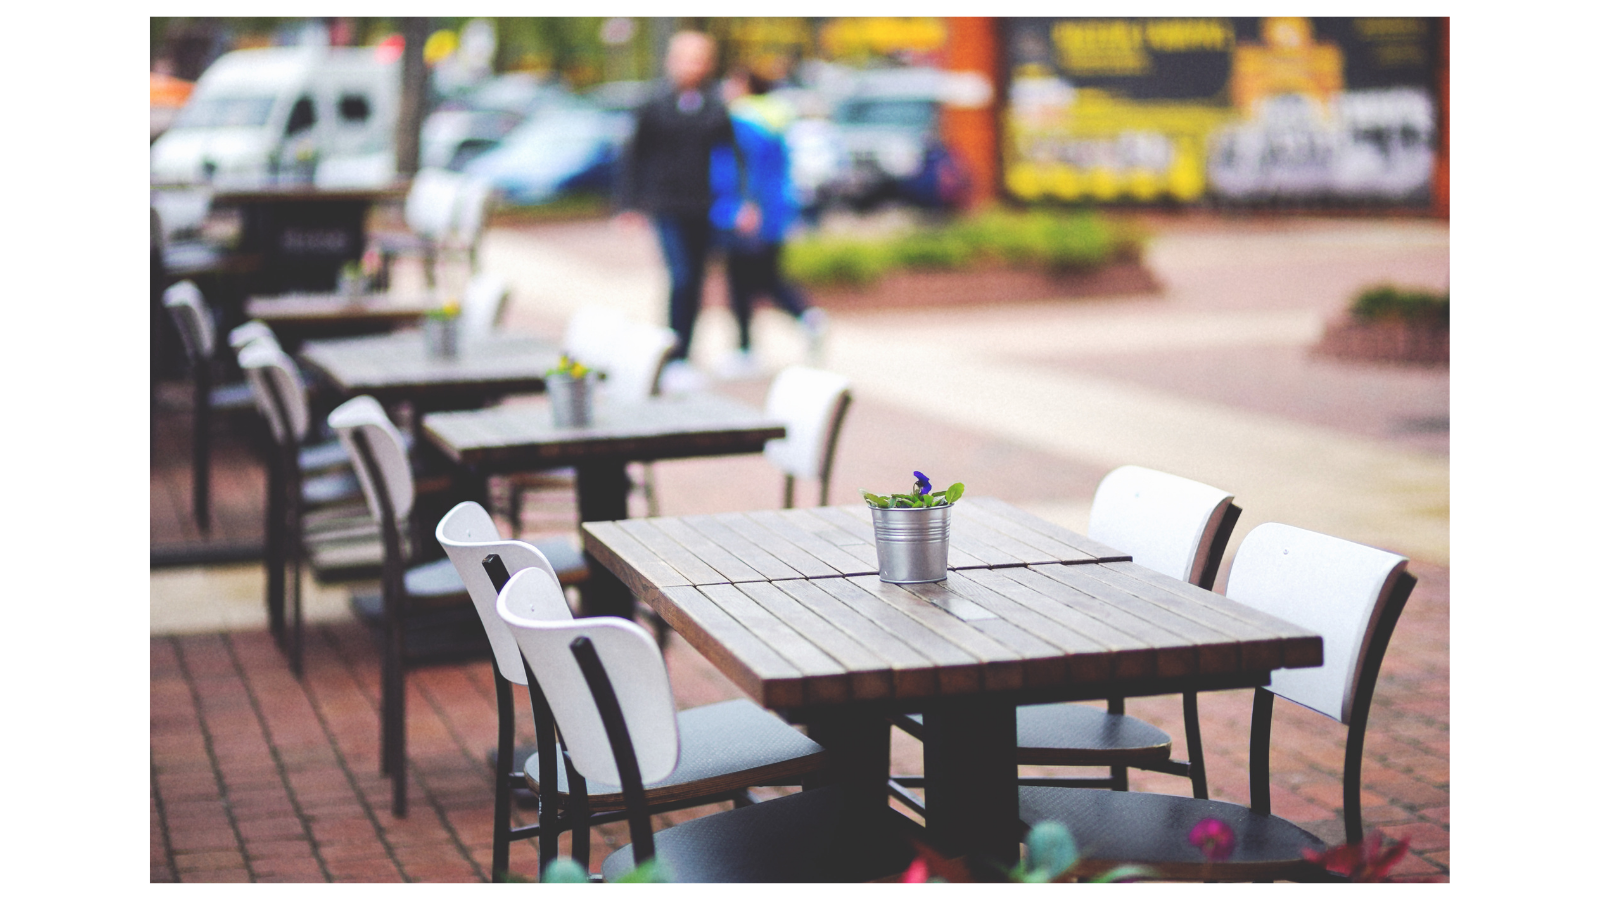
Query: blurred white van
(295, 113)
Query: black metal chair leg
(1197, 758)
(275, 559)
(502, 779)
(201, 459)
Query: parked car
(257, 114)
(888, 126)
(472, 122)
(567, 146)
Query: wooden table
(300, 316)
(788, 605)
(397, 368)
(512, 439)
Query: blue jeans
(685, 242)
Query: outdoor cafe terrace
(260, 775)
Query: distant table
(396, 368)
(303, 234)
(300, 316)
(788, 605)
(511, 439)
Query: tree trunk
(413, 97)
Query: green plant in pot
(440, 330)
(912, 531)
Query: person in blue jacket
(754, 244)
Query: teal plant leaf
(564, 870)
(652, 872)
(875, 500)
(1051, 851)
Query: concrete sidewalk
(259, 777)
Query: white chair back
(632, 362)
(1333, 587)
(632, 661)
(467, 534)
(430, 208)
(807, 401)
(253, 330)
(484, 305)
(193, 318)
(1165, 522)
(270, 371)
(471, 210)
(590, 332)
(364, 415)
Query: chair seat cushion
(1070, 734)
(325, 455)
(1115, 827)
(227, 397)
(334, 487)
(800, 838)
(433, 580)
(565, 558)
(724, 747)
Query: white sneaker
(739, 365)
(814, 322)
(678, 377)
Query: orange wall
(971, 134)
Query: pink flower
(917, 873)
(1366, 861)
(1214, 838)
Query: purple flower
(1214, 838)
(923, 485)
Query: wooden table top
(397, 366)
(788, 605)
(510, 438)
(333, 306)
(306, 193)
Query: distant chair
(411, 593)
(483, 308)
(430, 216)
(812, 405)
(197, 330)
(1352, 596)
(623, 739)
(1174, 526)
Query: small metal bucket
(913, 544)
(571, 400)
(439, 337)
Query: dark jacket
(666, 166)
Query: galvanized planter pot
(439, 337)
(913, 543)
(571, 400)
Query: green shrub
(1412, 305)
(830, 261)
(1057, 242)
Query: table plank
(857, 521)
(706, 550)
(910, 670)
(1002, 666)
(637, 565)
(755, 556)
(674, 554)
(756, 668)
(1132, 644)
(824, 679)
(957, 671)
(1089, 546)
(865, 552)
(869, 675)
(788, 528)
(1042, 547)
(1216, 651)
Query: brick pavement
(257, 777)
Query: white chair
(197, 330)
(607, 688)
(812, 404)
(474, 196)
(1351, 595)
(1174, 526)
(483, 307)
(718, 766)
(589, 332)
(409, 595)
(430, 215)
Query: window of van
(301, 117)
(224, 112)
(354, 109)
